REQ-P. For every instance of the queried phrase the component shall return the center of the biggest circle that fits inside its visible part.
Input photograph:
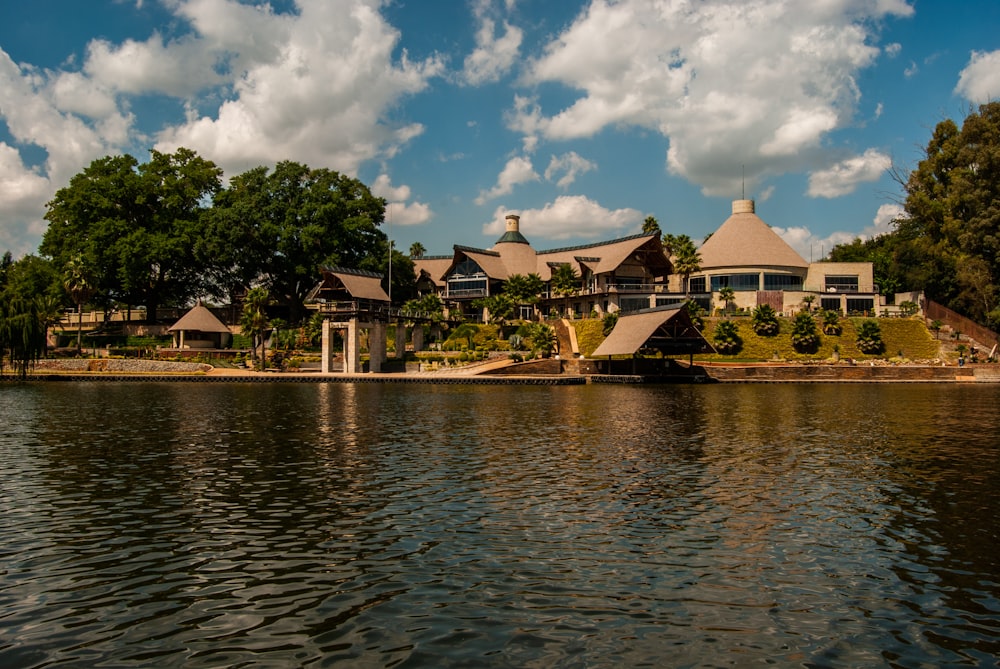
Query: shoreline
(125, 370)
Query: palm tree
(765, 321)
(870, 337)
(565, 280)
(805, 339)
(727, 338)
(254, 320)
(687, 261)
(650, 225)
(417, 250)
(78, 283)
(727, 295)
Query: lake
(377, 525)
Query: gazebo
(668, 330)
(199, 328)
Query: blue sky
(583, 117)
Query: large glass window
(696, 284)
(736, 282)
(860, 305)
(841, 283)
(467, 279)
(830, 303)
(782, 282)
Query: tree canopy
(278, 227)
(948, 241)
(135, 227)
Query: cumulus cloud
(320, 84)
(518, 170)
(569, 166)
(322, 96)
(494, 54)
(705, 75)
(399, 210)
(569, 216)
(979, 81)
(812, 247)
(844, 177)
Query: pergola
(666, 329)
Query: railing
(959, 323)
(468, 292)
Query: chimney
(743, 207)
(513, 223)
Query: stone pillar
(418, 337)
(352, 347)
(400, 340)
(327, 355)
(376, 347)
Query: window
(467, 280)
(634, 304)
(837, 283)
(782, 282)
(736, 282)
(696, 284)
(829, 303)
(860, 305)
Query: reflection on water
(278, 525)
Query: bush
(765, 321)
(805, 338)
(831, 323)
(870, 338)
(727, 338)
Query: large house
(620, 275)
(635, 273)
(745, 254)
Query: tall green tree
(524, 288)
(79, 284)
(650, 225)
(253, 322)
(565, 280)
(279, 227)
(136, 225)
(417, 250)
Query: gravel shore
(126, 366)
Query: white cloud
(570, 216)
(813, 248)
(892, 50)
(569, 165)
(322, 96)
(518, 170)
(844, 177)
(399, 211)
(706, 75)
(494, 55)
(979, 81)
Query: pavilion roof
(668, 329)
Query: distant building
(745, 254)
(619, 275)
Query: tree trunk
(79, 328)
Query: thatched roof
(744, 240)
(359, 284)
(198, 319)
(667, 329)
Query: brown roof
(434, 266)
(361, 285)
(604, 257)
(668, 329)
(745, 240)
(198, 319)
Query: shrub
(765, 321)
(727, 338)
(831, 323)
(870, 338)
(805, 338)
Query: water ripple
(592, 526)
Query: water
(273, 525)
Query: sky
(583, 117)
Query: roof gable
(198, 319)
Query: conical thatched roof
(744, 240)
(198, 319)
